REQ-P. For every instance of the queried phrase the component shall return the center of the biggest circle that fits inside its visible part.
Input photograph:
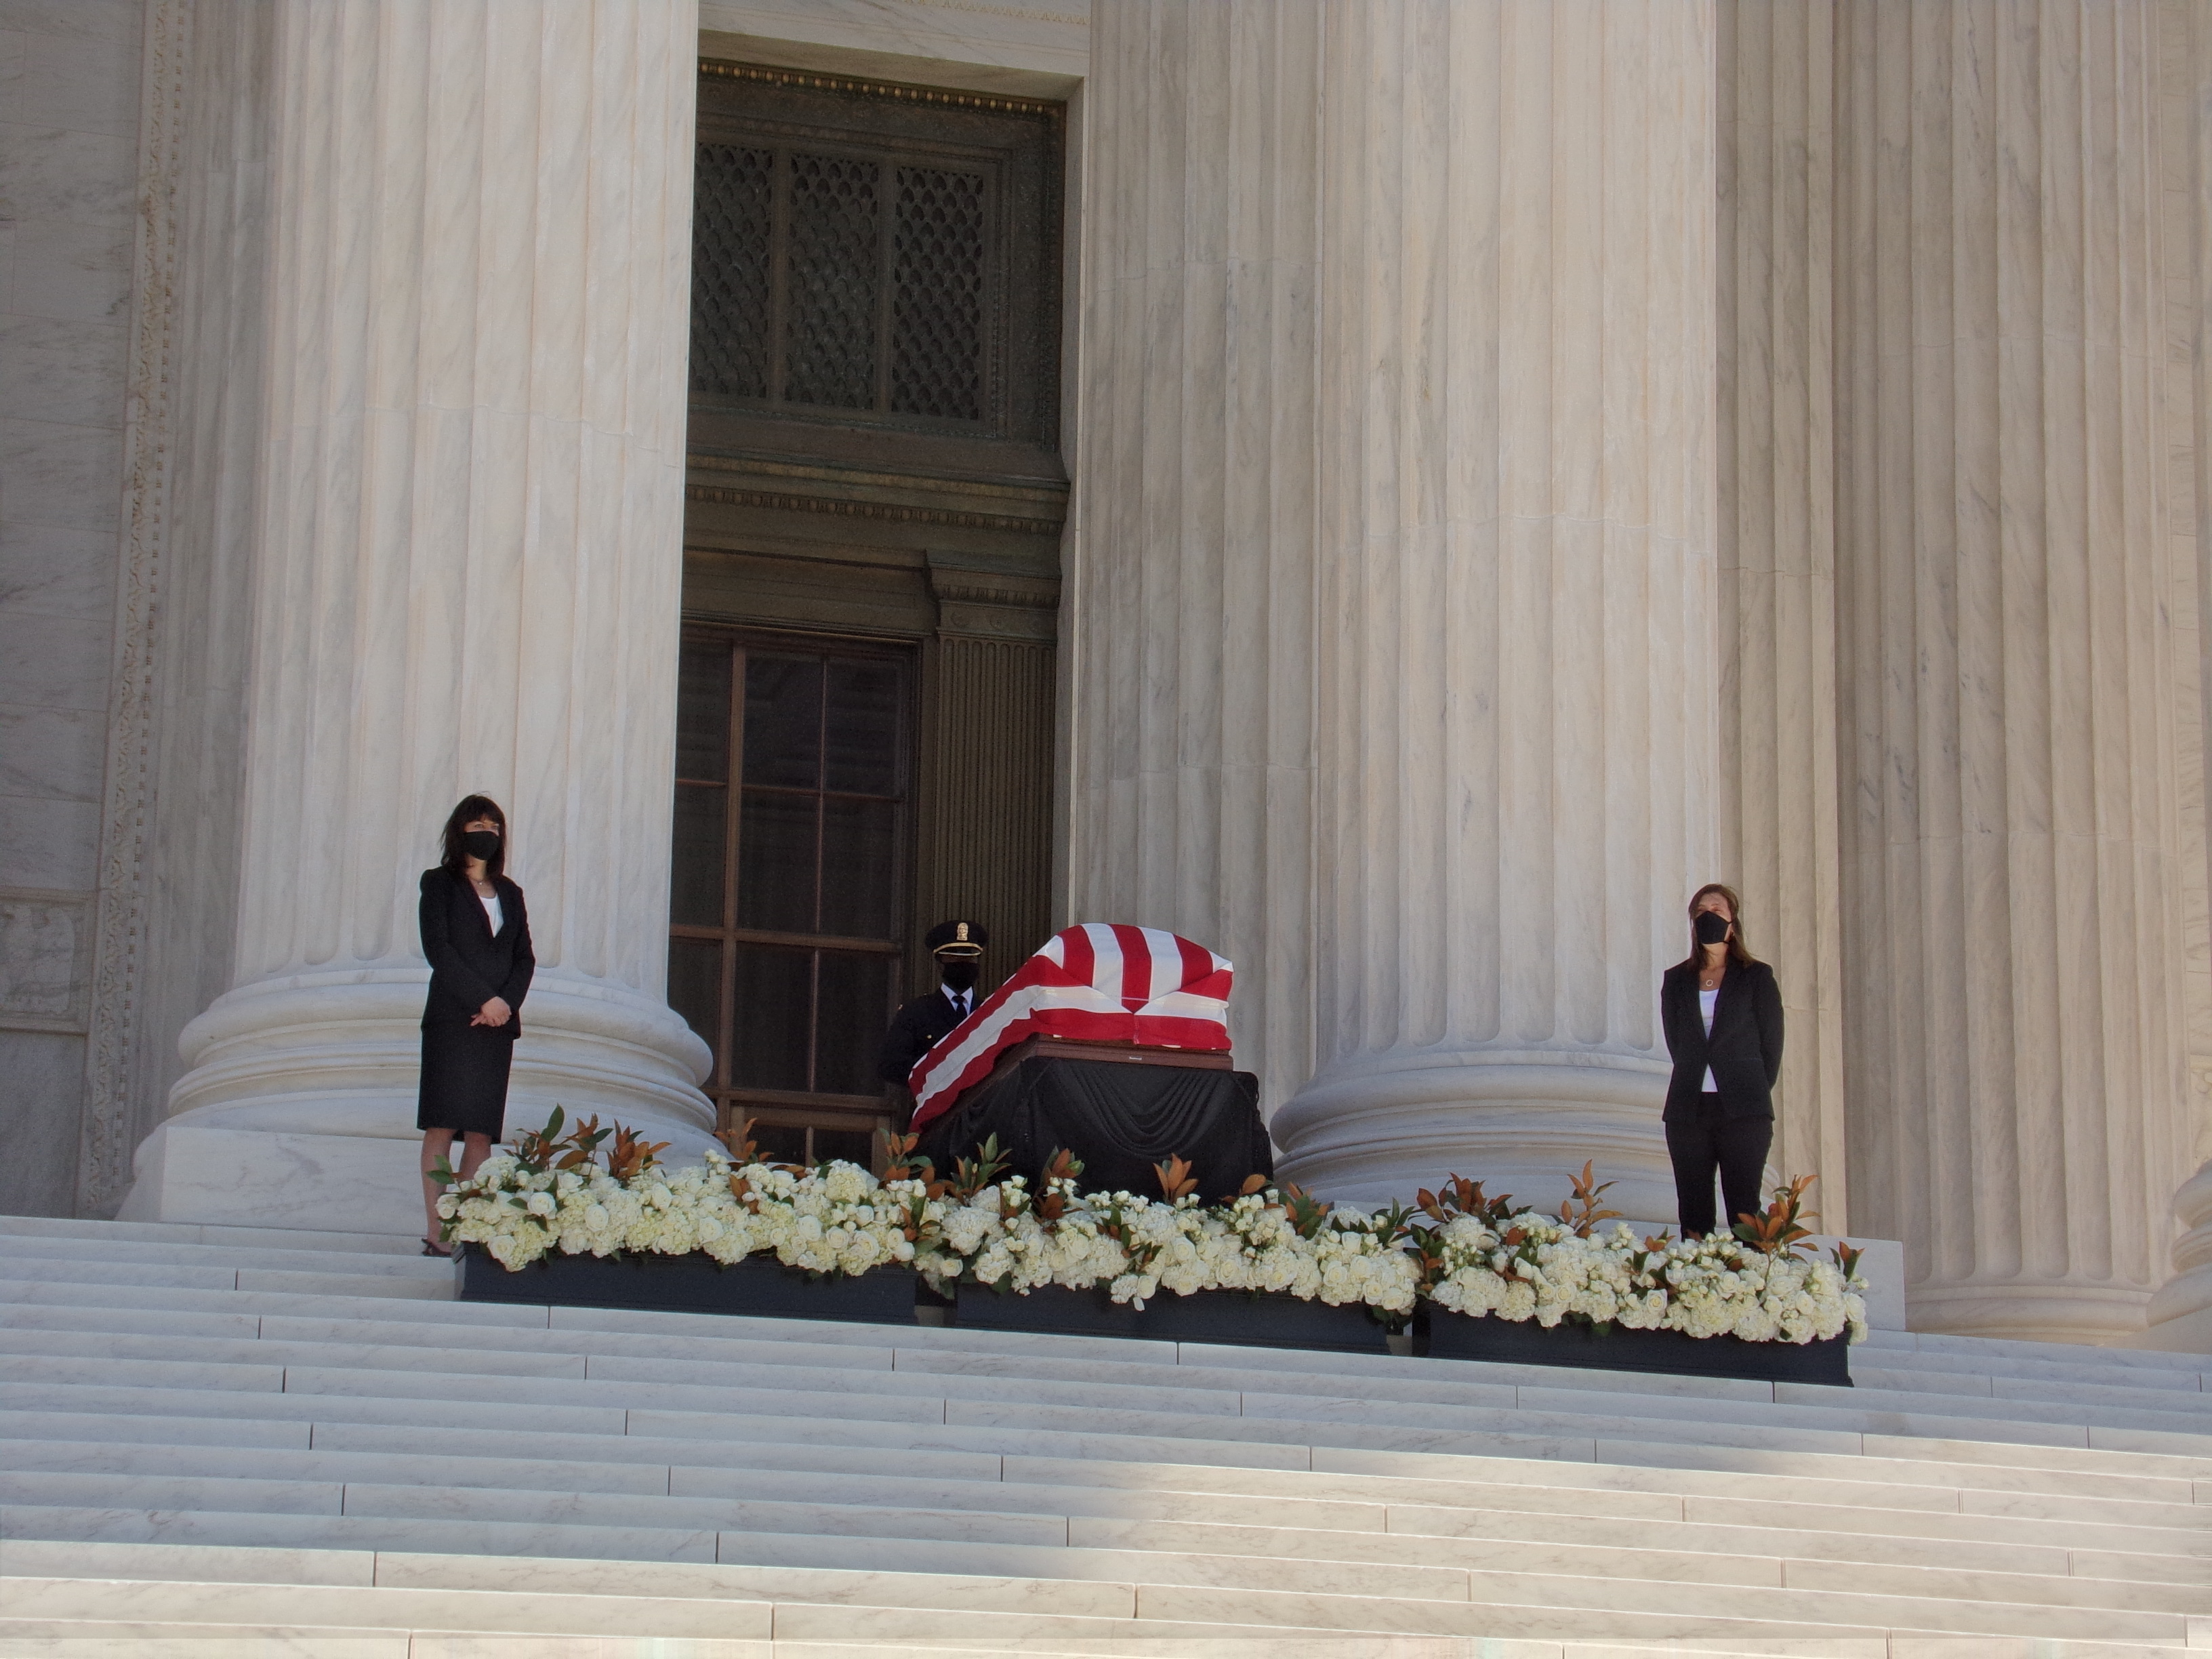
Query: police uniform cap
(956, 938)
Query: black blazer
(1745, 1050)
(918, 1027)
(468, 966)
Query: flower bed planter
(758, 1286)
(1268, 1320)
(1524, 1342)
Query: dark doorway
(787, 892)
(874, 501)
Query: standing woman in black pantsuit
(477, 935)
(1721, 1012)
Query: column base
(2179, 1317)
(299, 1109)
(2096, 1316)
(1522, 1123)
(262, 1178)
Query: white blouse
(498, 919)
(1707, 1002)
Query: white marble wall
(2016, 1055)
(69, 120)
(465, 571)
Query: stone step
(625, 1393)
(853, 1507)
(1335, 1528)
(525, 1338)
(28, 1256)
(1192, 1588)
(889, 1608)
(1941, 1371)
(1635, 1497)
(188, 1389)
(966, 1343)
(510, 1351)
(189, 1233)
(55, 1280)
(240, 1398)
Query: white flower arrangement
(1464, 1252)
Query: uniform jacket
(469, 965)
(1745, 1050)
(917, 1028)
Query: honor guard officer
(921, 1024)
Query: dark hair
(472, 808)
(1737, 952)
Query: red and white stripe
(1098, 982)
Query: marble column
(1517, 657)
(1776, 527)
(2180, 1315)
(1190, 567)
(2012, 964)
(466, 569)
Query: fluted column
(467, 567)
(1775, 528)
(2012, 966)
(2180, 1314)
(1518, 655)
(1190, 568)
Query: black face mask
(957, 975)
(480, 844)
(1712, 928)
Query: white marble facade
(68, 168)
(1529, 459)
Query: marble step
(57, 1280)
(1001, 1379)
(885, 1611)
(232, 1382)
(1246, 1555)
(339, 1307)
(610, 1461)
(1959, 1372)
(1308, 1526)
(1538, 1409)
(511, 1352)
(188, 1390)
(1190, 1588)
(187, 1233)
(28, 1256)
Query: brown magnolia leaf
(1253, 1183)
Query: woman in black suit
(476, 934)
(1721, 1012)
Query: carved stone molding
(766, 75)
(993, 604)
(107, 1141)
(719, 496)
(46, 949)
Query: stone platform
(218, 1441)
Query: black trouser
(1736, 1145)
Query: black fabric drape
(1119, 1119)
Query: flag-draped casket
(1094, 982)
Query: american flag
(1095, 981)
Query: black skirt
(464, 1085)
